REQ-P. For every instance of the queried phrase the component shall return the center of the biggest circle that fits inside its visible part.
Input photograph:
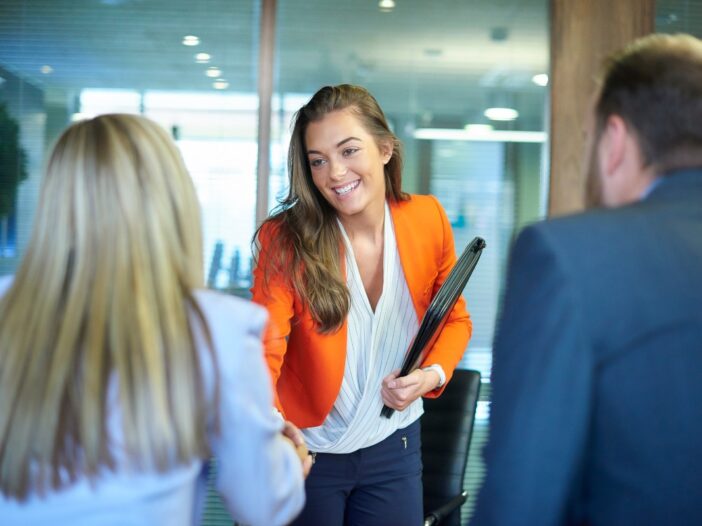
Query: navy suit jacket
(596, 414)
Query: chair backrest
(447, 427)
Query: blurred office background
(464, 83)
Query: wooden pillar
(266, 51)
(583, 33)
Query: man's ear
(613, 145)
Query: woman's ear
(386, 151)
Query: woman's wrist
(439, 375)
(432, 379)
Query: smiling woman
(347, 167)
(347, 266)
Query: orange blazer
(307, 367)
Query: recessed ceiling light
(203, 58)
(386, 5)
(220, 84)
(501, 114)
(46, 70)
(540, 80)
(191, 40)
(213, 72)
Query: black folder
(439, 310)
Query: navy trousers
(380, 485)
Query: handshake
(294, 436)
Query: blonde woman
(119, 375)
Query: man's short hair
(655, 85)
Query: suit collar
(677, 183)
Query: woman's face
(347, 164)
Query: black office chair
(447, 427)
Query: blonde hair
(104, 293)
(304, 224)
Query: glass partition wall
(464, 86)
(191, 66)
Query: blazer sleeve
(277, 296)
(258, 474)
(542, 378)
(453, 340)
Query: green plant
(13, 162)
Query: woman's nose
(338, 169)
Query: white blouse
(376, 345)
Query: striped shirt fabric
(376, 345)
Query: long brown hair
(304, 235)
(103, 294)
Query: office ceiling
(438, 58)
(445, 60)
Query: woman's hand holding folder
(435, 317)
(398, 392)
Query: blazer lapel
(408, 251)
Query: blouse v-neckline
(352, 264)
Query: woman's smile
(347, 188)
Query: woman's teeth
(341, 190)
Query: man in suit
(597, 375)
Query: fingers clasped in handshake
(294, 435)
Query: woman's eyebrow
(337, 144)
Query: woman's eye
(316, 162)
(350, 151)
